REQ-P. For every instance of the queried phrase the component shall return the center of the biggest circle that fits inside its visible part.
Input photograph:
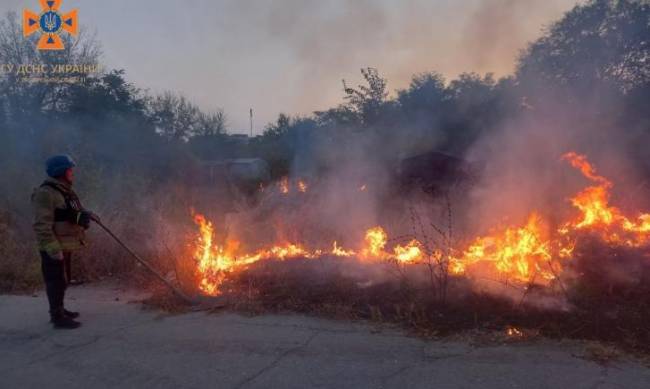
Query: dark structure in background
(435, 173)
(220, 187)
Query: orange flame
(410, 253)
(284, 185)
(302, 186)
(598, 215)
(520, 252)
(514, 332)
(340, 252)
(374, 243)
(529, 253)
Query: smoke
(346, 191)
(524, 173)
(274, 55)
(332, 40)
(498, 29)
(522, 158)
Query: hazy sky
(290, 55)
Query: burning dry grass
(602, 309)
(533, 254)
(586, 276)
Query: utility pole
(251, 122)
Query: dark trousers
(56, 275)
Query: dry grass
(601, 353)
(19, 261)
(346, 289)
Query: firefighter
(59, 223)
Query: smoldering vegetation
(583, 86)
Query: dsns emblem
(51, 24)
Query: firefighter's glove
(83, 218)
(94, 217)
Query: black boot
(55, 284)
(64, 322)
(70, 314)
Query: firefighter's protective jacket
(56, 212)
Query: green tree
(174, 116)
(368, 100)
(342, 116)
(280, 128)
(210, 124)
(601, 41)
(99, 98)
(471, 109)
(426, 92)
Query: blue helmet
(57, 165)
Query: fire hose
(146, 265)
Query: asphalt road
(122, 345)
